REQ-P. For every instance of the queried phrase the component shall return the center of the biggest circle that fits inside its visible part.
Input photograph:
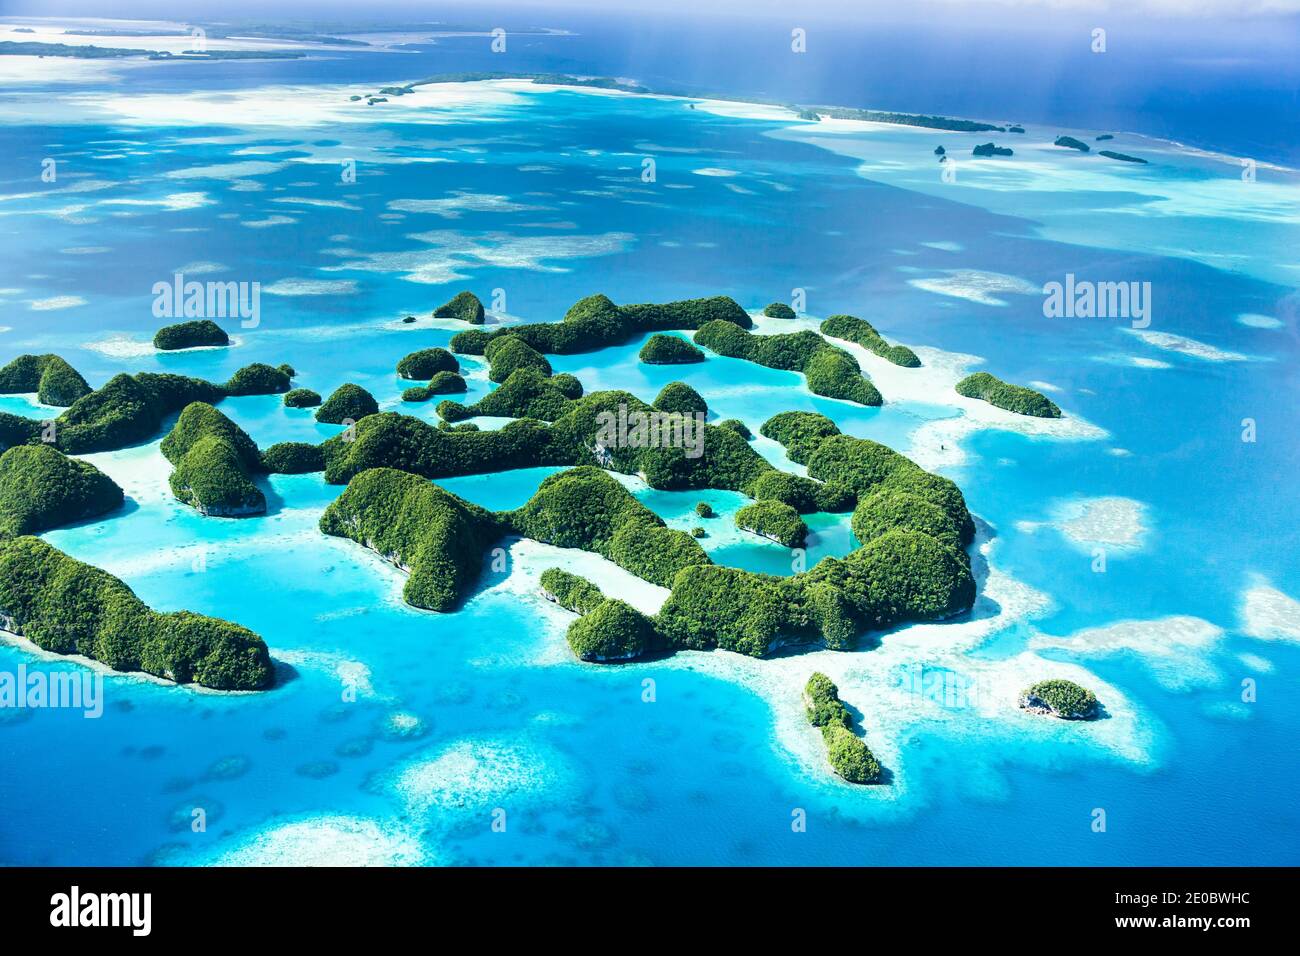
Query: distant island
(190, 335)
(1071, 143)
(1012, 398)
(1123, 157)
(1060, 698)
(989, 149)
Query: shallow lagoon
(458, 714)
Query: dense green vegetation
(214, 460)
(804, 495)
(54, 381)
(301, 398)
(891, 510)
(526, 393)
(737, 426)
(595, 323)
(1064, 699)
(778, 310)
(464, 306)
(848, 754)
(349, 402)
(293, 458)
(128, 409)
(41, 488)
(427, 363)
(988, 149)
(67, 607)
(1013, 398)
(830, 370)
(259, 379)
(774, 520)
(570, 591)
(445, 383)
(189, 335)
(800, 432)
(863, 333)
(680, 398)
(704, 509)
(586, 508)
(662, 349)
(432, 534)
(612, 631)
(509, 354)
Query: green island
(301, 398)
(348, 403)
(774, 520)
(862, 332)
(511, 353)
(292, 458)
(1069, 142)
(848, 754)
(41, 488)
(829, 370)
(1061, 698)
(442, 383)
(989, 149)
(464, 306)
(129, 409)
(54, 381)
(526, 393)
(778, 310)
(662, 349)
(1012, 398)
(595, 323)
(214, 460)
(427, 363)
(66, 607)
(190, 335)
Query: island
(301, 398)
(1012, 398)
(848, 754)
(427, 363)
(201, 333)
(464, 306)
(829, 370)
(862, 332)
(41, 488)
(214, 462)
(989, 149)
(1061, 698)
(511, 353)
(442, 383)
(662, 349)
(1070, 142)
(54, 381)
(778, 310)
(66, 607)
(680, 398)
(1122, 157)
(348, 403)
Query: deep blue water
(502, 717)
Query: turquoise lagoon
(395, 734)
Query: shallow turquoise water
(589, 772)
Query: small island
(427, 363)
(662, 349)
(54, 381)
(214, 463)
(848, 754)
(1012, 398)
(464, 306)
(41, 488)
(1061, 698)
(349, 402)
(863, 333)
(778, 310)
(201, 333)
(301, 398)
(680, 398)
(1069, 142)
(989, 149)
(1122, 157)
